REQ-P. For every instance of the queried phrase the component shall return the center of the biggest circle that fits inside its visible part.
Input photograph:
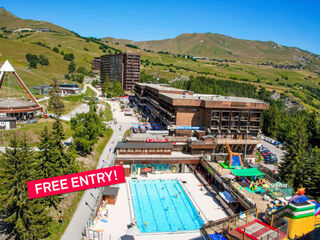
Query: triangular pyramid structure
(12, 105)
(6, 67)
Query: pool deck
(119, 215)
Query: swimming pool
(163, 206)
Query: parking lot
(275, 150)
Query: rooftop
(214, 98)
(16, 103)
(163, 87)
(144, 145)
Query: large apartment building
(235, 120)
(122, 67)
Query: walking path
(78, 222)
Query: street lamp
(245, 147)
(89, 206)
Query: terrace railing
(227, 223)
(228, 186)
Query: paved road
(78, 222)
(277, 151)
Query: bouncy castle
(301, 213)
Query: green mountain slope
(11, 22)
(224, 47)
(14, 46)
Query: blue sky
(291, 23)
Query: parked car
(262, 150)
(265, 153)
(271, 158)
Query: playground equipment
(246, 226)
(253, 186)
(301, 213)
(275, 205)
(234, 159)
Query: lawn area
(73, 98)
(32, 131)
(126, 134)
(69, 106)
(90, 92)
(107, 113)
(69, 203)
(100, 145)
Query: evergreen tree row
(29, 219)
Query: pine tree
(38, 219)
(47, 164)
(117, 89)
(313, 126)
(106, 86)
(65, 158)
(291, 169)
(311, 170)
(55, 103)
(16, 168)
(58, 148)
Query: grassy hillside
(290, 82)
(9, 21)
(15, 50)
(224, 47)
(301, 84)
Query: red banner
(156, 140)
(75, 182)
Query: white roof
(6, 67)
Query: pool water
(163, 206)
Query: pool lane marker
(165, 213)
(175, 208)
(135, 187)
(187, 205)
(155, 221)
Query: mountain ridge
(299, 83)
(219, 46)
(12, 22)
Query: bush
(43, 60)
(82, 70)
(87, 127)
(72, 67)
(32, 60)
(68, 57)
(132, 46)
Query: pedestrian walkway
(78, 222)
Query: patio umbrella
(147, 169)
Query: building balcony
(255, 119)
(215, 117)
(235, 118)
(215, 120)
